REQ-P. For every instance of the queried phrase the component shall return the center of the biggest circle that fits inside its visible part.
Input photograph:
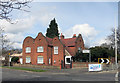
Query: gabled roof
(49, 40)
(69, 41)
(69, 50)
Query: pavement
(57, 75)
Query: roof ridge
(69, 38)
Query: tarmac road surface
(57, 75)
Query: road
(57, 75)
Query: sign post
(9, 60)
(87, 51)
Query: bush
(15, 59)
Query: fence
(82, 64)
(106, 67)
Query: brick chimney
(61, 36)
(74, 35)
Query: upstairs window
(40, 49)
(56, 50)
(28, 49)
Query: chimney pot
(74, 35)
(62, 36)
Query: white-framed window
(49, 61)
(54, 61)
(40, 49)
(28, 60)
(40, 59)
(28, 50)
(56, 50)
(68, 59)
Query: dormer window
(28, 50)
(40, 49)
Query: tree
(7, 6)
(100, 52)
(111, 38)
(81, 57)
(5, 46)
(52, 31)
(15, 59)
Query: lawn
(27, 69)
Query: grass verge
(27, 69)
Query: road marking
(116, 76)
(24, 75)
(36, 76)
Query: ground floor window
(54, 61)
(68, 60)
(49, 61)
(40, 59)
(28, 60)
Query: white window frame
(40, 49)
(54, 61)
(49, 60)
(28, 49)
(40, 61)
(28, 61)
(66, 59)
(55, 49)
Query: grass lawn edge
(26, 69)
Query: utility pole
(9, 59)
(116, 46)
(2, 42)
(90, 56)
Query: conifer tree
(52, 31)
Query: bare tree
(4, 42)
(5, 45)
(7, 6)
(111, 38)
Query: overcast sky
(93, 20)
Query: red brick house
(47, 51)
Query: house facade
(51, 51)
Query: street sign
(86, 51)
(103, 60)
(95, 67)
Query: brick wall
(28, 42)
(60, 56)
(40, 40)
(82, 64)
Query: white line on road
(36, 76)
(116, 76)
(24, 75)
